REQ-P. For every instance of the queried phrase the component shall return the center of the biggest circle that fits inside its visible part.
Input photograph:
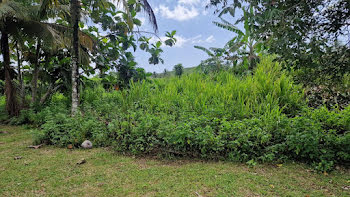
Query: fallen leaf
(272, 186)
(325, 173)
(18, 157)
(307, 196)
(82, 161)
(70, 146)
(36, 147)
(279, 165)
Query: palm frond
(45, 6)
(12, 9)
(64, 32)
(151, 16)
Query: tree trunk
(75, 14)
(36, 72)
(50, 91)
(20, 77)
(10, 91)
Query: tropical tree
(179, 70)
(302, 33)
(18, 18)
(75, 10)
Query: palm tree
(75, 9)
(21, 21)
(14, 20)
(75, 15)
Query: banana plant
(243, 48)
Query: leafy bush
(256, 118)
(62, 129)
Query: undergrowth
(262, 117)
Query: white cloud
(198, 39)
(190, 2)
(210, 39)
(184, 9)
(179, 13)
(182, 41)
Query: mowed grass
(51, 171)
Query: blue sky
(194, 26)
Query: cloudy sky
(194, 26)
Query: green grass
(51, 171)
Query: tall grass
(268, 91)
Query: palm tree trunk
(75, 14)
(20, 77)
(10, 91)
(36, 72)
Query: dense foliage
(257, 118)
(59, 55)
(311, 38)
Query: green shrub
(61, 129)
(256, 118)
(317, 142)
(3, 113)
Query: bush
(61, 129)
(316, 140)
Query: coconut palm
(75, 11)
(16, 19)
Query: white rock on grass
(86, 144)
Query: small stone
(82, 161)
(86, 144)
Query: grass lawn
(51, 171)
